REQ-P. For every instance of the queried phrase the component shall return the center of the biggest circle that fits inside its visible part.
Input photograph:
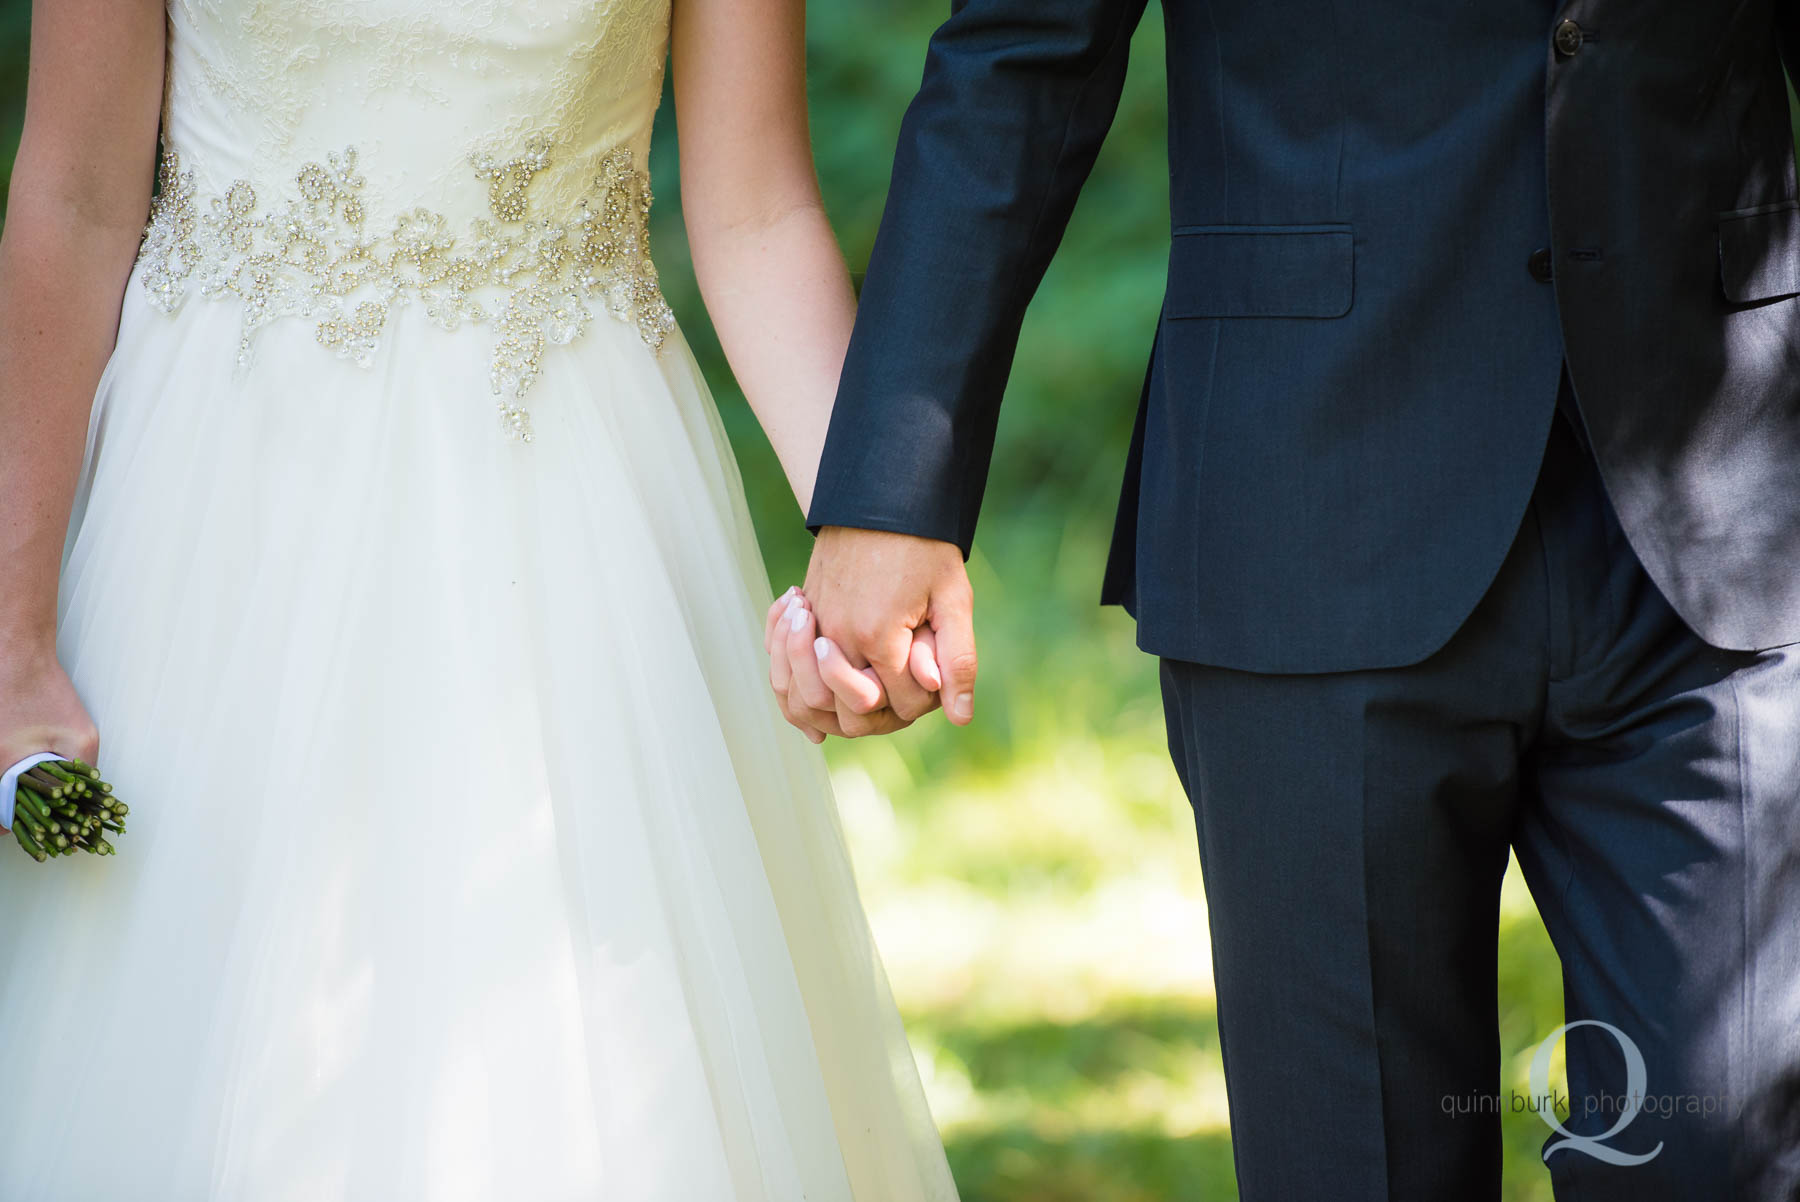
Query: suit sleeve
(1016, 100)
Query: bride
(369, 503)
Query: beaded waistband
(534, 281)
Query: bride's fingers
(780, 674)
(772, 623)
(803, 662)
(922, 661)
(857, 690)
(811, 723)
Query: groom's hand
(870, 591)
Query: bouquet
(61, 807)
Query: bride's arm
(769, 268)
(80, 192)
(75, 211)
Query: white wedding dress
(411, 586)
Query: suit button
(1539, 265)
(1568, 38)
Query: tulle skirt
(468, 857)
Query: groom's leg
(1662, 841)
(1353, 831)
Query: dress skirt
(469, 858)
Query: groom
(1464, 512)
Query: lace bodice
(330, 160)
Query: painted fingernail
(821, 647)
(797, 619)
(964, 706)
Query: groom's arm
(1017, 97)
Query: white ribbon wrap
(9, 784)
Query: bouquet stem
(62, 807)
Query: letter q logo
(1593, 1145)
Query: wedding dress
(411, 587)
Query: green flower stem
(24, 798)
(47, 785)
(31, 846)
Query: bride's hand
(40, 711)
(821, 691)
(814, 724)
(798, 663)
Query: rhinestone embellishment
(535, 282)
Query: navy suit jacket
(1393, 222)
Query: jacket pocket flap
(1759, 253)
(1261, 271)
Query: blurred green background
(1032, 880)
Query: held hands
(882, 632)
